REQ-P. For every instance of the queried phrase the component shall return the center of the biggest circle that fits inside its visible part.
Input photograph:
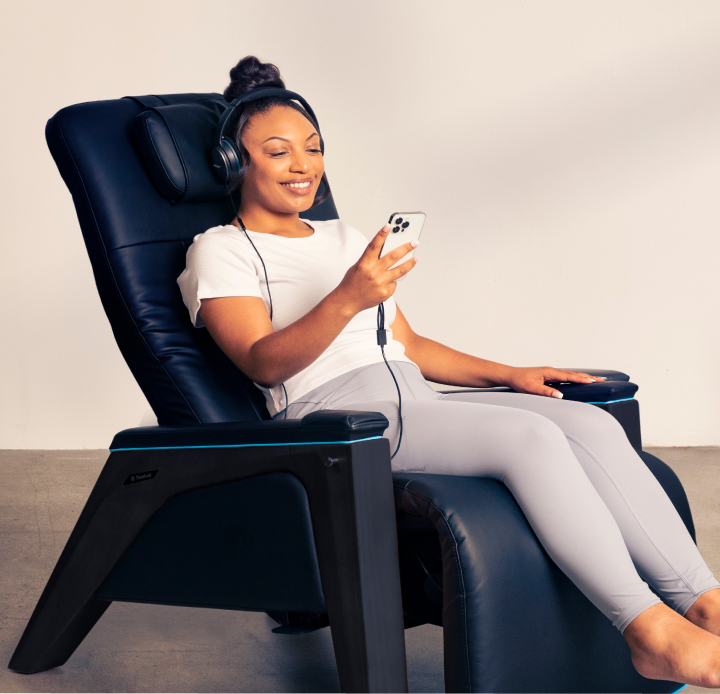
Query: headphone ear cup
(226, 160)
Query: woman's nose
(300, 163)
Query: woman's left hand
(532, 379)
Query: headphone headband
(254, 95)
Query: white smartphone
(404, 227)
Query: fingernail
(386, 227)
(557, 394)
(414, 244)
(592, 380)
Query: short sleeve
(216, 266)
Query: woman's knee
(589, 423)
(531, 434)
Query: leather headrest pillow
(175, 142)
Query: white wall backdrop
(567, 155)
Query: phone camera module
(395, 230)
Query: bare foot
(705, 612)
(666, 646)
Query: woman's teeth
(297, 185)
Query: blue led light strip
(609, 402)
(241, 445)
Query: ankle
(649, 624)
(705, 608)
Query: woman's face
(286, 164)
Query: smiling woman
(249, 74)
(312, 318)
(593, 504)
(285, 167)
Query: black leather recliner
(219, 506)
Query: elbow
(266, 383)
(262, 375)
(265, 370)
(257, 369)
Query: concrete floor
(150, 648)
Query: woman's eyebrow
(284, 139)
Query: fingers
(399, 252)
(579, 377)
(558, 375)
(375, 246)
(549, 392)
(403, 269)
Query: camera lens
(398, 220)
(405, 225)
(395, 230)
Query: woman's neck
(265, 222)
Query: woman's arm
(241, 326)
(442, 364)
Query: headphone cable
(267, 284)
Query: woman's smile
(301, 186)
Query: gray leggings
(597, 510)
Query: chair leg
(352, 509)
(66, 642)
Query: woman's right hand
(369, 282)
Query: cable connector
(382, 337)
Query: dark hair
(249, 74)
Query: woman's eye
(277, 154)
(315, 151)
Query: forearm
(280, 355)
(442, 364)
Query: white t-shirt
(301, 272)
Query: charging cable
(382, 341)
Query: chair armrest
(616, 388)
(321, 426)
(608, 373)
(600, 393)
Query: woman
(294, 303)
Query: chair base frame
(350, 495)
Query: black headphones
(226, 158)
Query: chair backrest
(137, 240)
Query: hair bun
(249, 74)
